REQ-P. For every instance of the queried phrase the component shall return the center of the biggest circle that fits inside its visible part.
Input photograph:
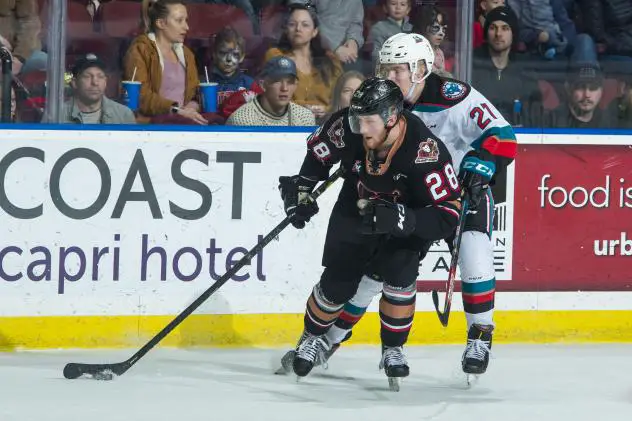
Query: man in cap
(89, 105)
(274, 107)
(583, 89)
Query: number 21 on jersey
(439, 182)
(482, 115)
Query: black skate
(476, 355)
(395, 366)
(309, 353)
(288, 359)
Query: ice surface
(524, 382)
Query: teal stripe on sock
(478, 287)
(351, 309)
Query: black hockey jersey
(420, 174)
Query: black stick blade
(95, 371)
(443, 317)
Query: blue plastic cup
(131, 94)
(208, 93)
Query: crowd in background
(543, 63)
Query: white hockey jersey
(465, 120)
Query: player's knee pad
(367, 290)
(476, 257)
(399, 296)
(339, 285)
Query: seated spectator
(396, 21)
(609, 22)
(433, 25)
(318, 70)
(347, 84)
(20, 26)
(545, 26)
(88, 104)
(164, 65)
(497, 71)
(485, 6)
(274, 107)
(623, 103)
(228, 54)
(580, 107)
(13, 116)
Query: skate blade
(286, 364)
(471, 380)
(394, 383)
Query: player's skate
(476, 355)
(288, 359)
(310, 351)
(395, 366)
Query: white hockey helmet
(409, 49)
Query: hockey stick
(449, 287)
(107, 371)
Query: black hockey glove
(475, 177)
(382, 217)
(295, 191)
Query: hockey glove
(475, 177)
(295, 191)
(382, 217)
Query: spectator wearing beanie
(498, 73)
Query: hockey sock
(354, 309)
(478, 283)
(397, 309)
(320, 313)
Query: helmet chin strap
(409, 95)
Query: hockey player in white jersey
(482, 144)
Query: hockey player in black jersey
(400, 193)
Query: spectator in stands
(20, 26)
(14, 116)
(396, 21)
(623, 103)
(610, 24)
(228, 53)
(484, 7)
(545, 26)
(274, 107)
(341, 26)
(318, 69)
(88, 104)
(164, 65)
(580, 109)
(343, 91)
(434, 26)
(497, 71)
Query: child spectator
(274, 107)
(433, 25)
(228, 54)
(318, 70)
(164, 65)
(396, 21)
(485, 6)
(545, 26)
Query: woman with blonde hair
(344, 89)
(163, 64)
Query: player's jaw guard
(103, 371)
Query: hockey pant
(347, 257)
(476, 263)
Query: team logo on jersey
(428, 151)
(453, 90)
(336, 131)
(357, 167)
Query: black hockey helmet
(375, 96)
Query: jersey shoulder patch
(428, 151)
(453, 90)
